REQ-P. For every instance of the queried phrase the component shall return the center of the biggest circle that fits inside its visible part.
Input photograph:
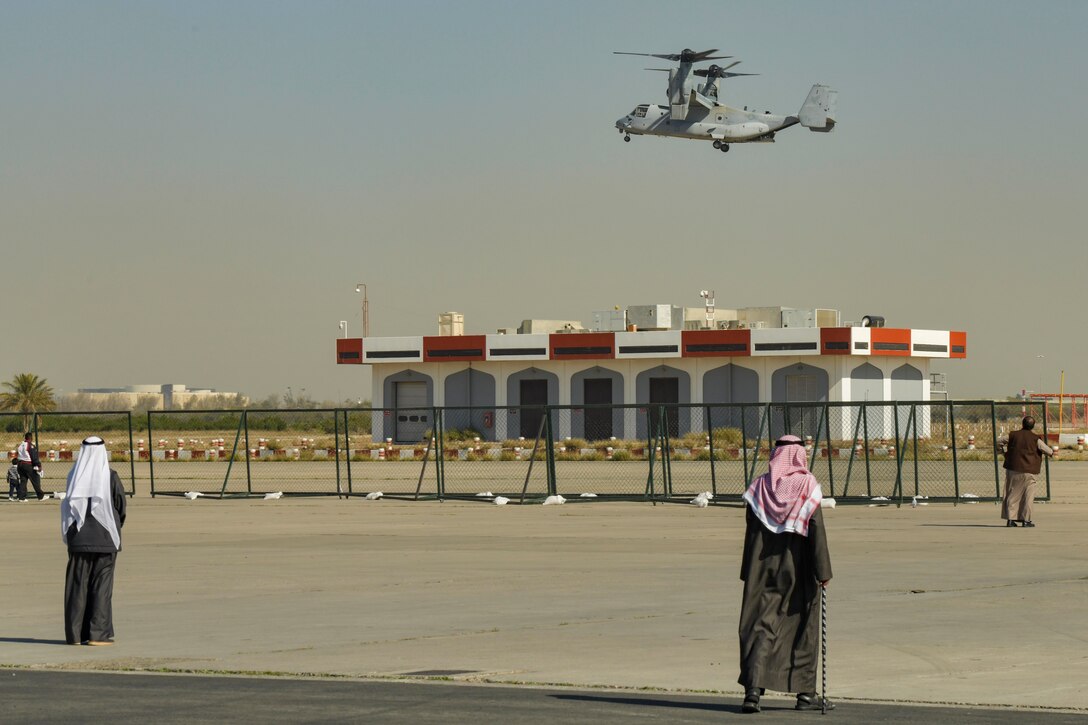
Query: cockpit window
(640, 111)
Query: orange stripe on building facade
(715, 343)
(889, 341)
(459, 348)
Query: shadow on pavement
(31, 640)
(730, 708)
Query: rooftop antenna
(708, 303)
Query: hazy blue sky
(189, 191)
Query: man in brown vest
(1024, 453)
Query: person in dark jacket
(30, 467)
(784, 564)
(92, 514)
(1024, 451)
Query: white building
(496, 375)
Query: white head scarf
(89, 491)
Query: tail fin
(819, 110)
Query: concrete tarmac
(938, 604)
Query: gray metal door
(598, 421)
(534, 394)
(412, 414)
(664, 391)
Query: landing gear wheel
(626, 139)
(717, 144)
(724, 147)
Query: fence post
(710, 447)
(150, 456)
(347, 447)
(898, 461)
(249, 477)
(993, 435)
(336, 447)
(131, 453)
(853, 452)
(651, 444)
(550, 454)
(666, 454)
(744, 441)
(830, 467)
(233, 453)
(914, 414)
(1046, 459)
(770, 439)
(440, 460)
(955, 455)
(868, 473)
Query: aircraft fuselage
(720, 123)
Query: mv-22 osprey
(695, 112)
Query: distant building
(167, 397)
(751, 355)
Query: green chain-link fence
(860, 452)
(58, 436)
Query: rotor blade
(663, 70)
(734, 75)
(736, 62)
(664, 56)
(709, 55)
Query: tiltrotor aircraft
(696, 113)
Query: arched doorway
(663, 387)
(527, 392)
(798, 383)
(470, 402)
(592, 387)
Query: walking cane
(823, 649)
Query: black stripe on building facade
(861, 346)
(583, 351)
(468, 352)
(510, 351)
(959, 349)
(630, 349)
(925, 347)
(349, 356)
(393, 353)
(889, 346)
(718, 347)
(771, 346)
(837, 345)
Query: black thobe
(88, 581)
(780, 614)
(88, 598)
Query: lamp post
(361, 287)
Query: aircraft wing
(703, 101)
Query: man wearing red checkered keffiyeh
(785, 497)
(784, 564)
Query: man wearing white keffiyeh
(92, 514)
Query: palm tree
(29, 395)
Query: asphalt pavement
(66, 697)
